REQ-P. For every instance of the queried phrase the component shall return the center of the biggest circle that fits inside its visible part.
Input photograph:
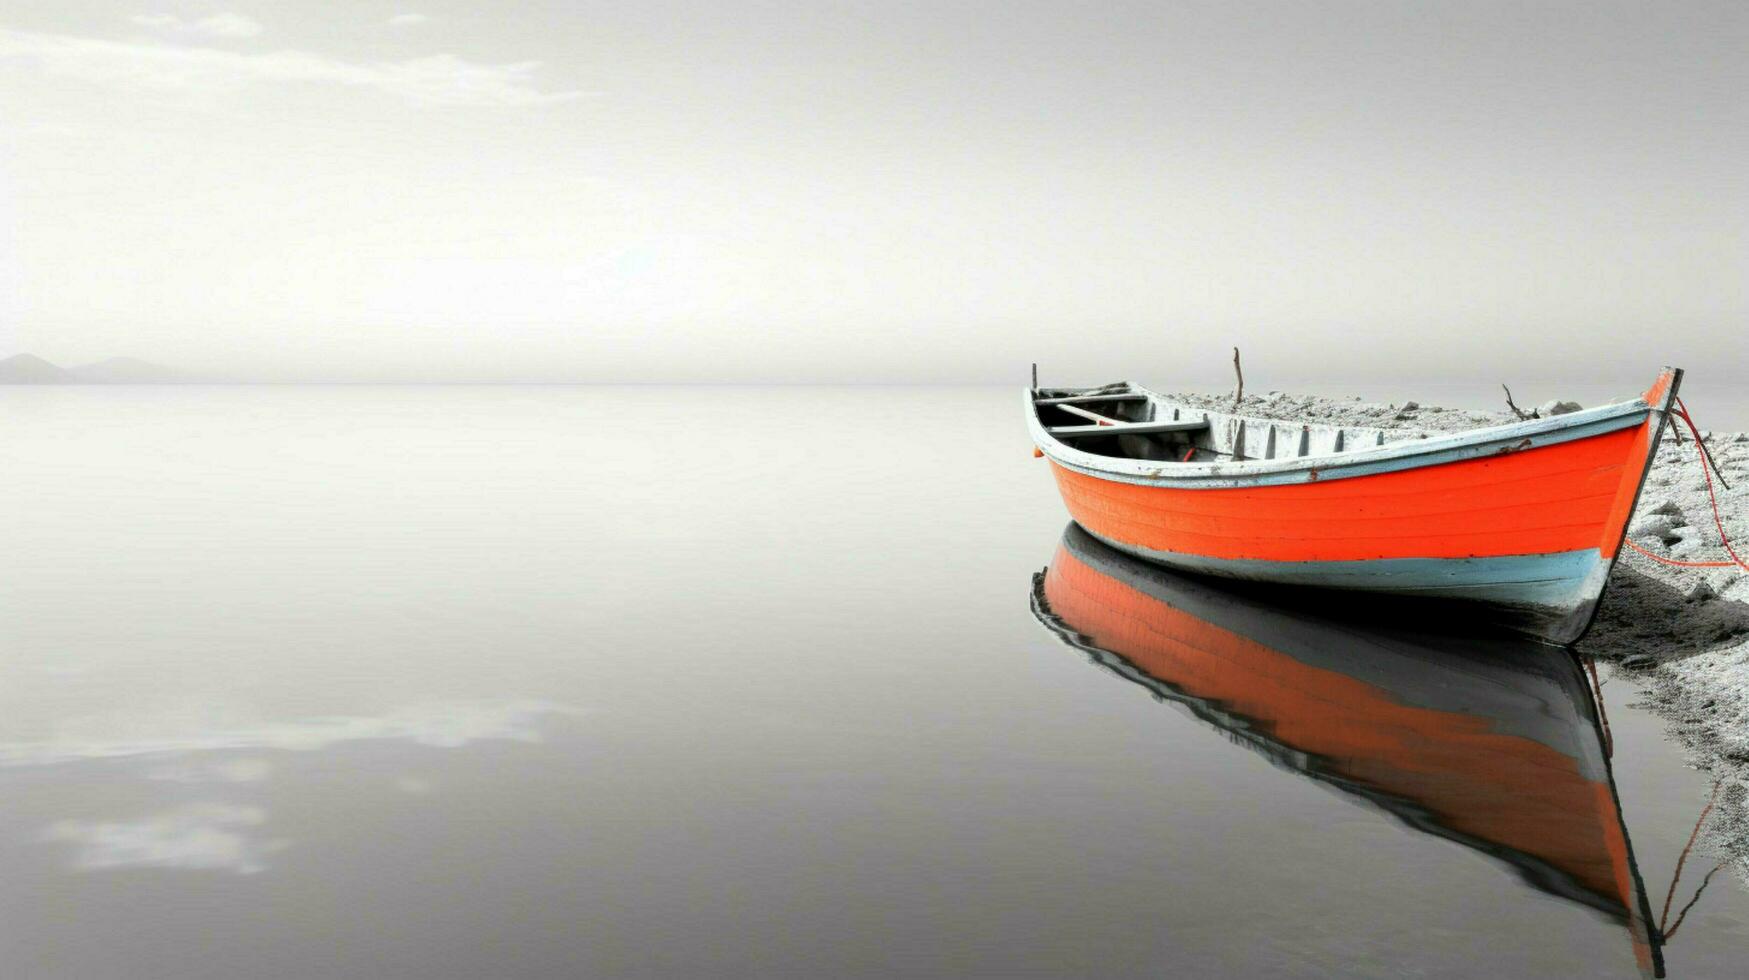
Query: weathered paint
(1493, 744)
(1530, 515)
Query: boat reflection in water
(1493, 743)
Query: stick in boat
(1238, 395)
(1035, 376)
(1522, 415)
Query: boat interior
(1129, 422)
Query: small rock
(1638, 661)
(1557, 407)
(1699, 592)
(1410, 406)
(1741, 437)
(1654, 526)
(1667, 507)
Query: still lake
(646, 682)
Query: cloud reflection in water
(441, 724)
(201, 836)
(220, 836)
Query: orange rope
(1718, 520)
(1680, 564)
(1665, 916)
(1671, 934)
(1602, 715)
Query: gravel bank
(1684, 632)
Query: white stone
(1557, 407)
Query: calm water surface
(530, 682)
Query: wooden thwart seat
(1087, 399)
(1129, 428)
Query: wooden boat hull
(1525, 518)
(1494, 744)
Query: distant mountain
(126, 371)
(29, 369)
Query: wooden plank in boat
(1088, 399)
(1091, 416)
(1128, 428)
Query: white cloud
(217, 25)
(202, 836)
(440, 79)
(408, 20)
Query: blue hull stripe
(1561, 581)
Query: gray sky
(876, 191)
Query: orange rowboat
(1526, 518)
(1493, 744)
